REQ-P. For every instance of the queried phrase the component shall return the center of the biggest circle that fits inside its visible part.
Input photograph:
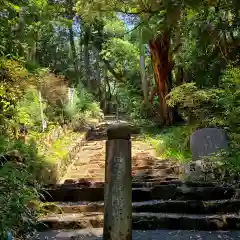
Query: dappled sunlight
(172, 144)
(168, 69)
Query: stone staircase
(161, 198)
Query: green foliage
(213, 106)
(28, 109)
(12, 71)
(172, 143)
(12, 80)
(131, 103)
(209, 37)
(82, 108)
(123, 55)
(54, 91)
(18, 186)
(195, 104)
(114, 26)
(58, 150)
(230, 166)
(230, 102)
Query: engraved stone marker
(118, 184)
(207, 141)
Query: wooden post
(118, 184)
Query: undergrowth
(20, 184)
(24, 169)
(33, 97)
(171, 143)
(58, 148)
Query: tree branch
(175, 49)
(118, 76)
(149, 11)
(138, 25)
(135, 27)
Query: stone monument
(207, 141)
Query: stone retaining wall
(63, 164)
(58, 169)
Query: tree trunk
(20, 32)
(97, 85)
(74, 54)
(143, 72)
(73, 49)
(86, 58)
(71, 14)
(32, 53)
(80, 50)
(159, 49)
(179, 76)
(107, 92)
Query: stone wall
(56, 171)
(63, 164)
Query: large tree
(162, 21)
(158, 19)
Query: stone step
(86, 183)
(149, 178)
(100, 172)
(189, 207)
(161, 192)
(144, 221)
(71, 221)
(155, 167)
(154, 172)
(155, 206)
(135, 179)
(145, 169)
(78, 179)
(152, 221)
(135, 166)
(88, 175)
(175, 182)
(97, 233)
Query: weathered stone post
(118, 184)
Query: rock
(207, 141)
(11, 156)
(119, 131)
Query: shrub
(12, 80)
(212, 106)
(131, 103)
(18, 187)
(172, 143)
(82, 108)
(54, 91)
(28, 109)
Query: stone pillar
(118, 184)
